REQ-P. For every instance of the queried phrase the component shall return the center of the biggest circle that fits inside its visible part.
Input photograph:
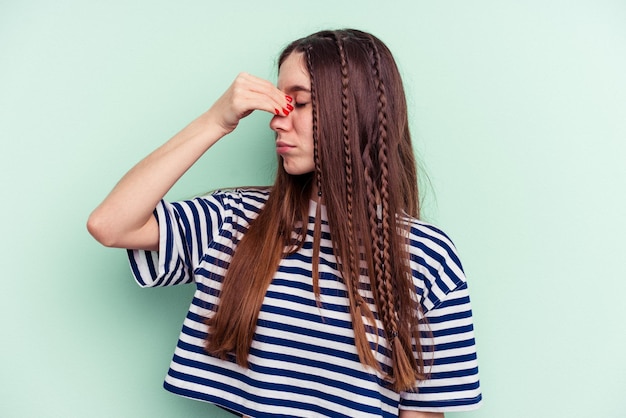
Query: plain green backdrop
(518, 113)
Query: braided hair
(365, 175)
(377, 182)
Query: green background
(518, 113)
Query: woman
(323, 295)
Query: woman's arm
(124, 219)
(418, 414)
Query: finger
(281, 103)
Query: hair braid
(345, 128)
(385, 236)
(374, 224)
(352, 272)
(317, 227)
(316, 155)
(404, 372)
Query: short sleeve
(448, 335)
(186, 229)
(453, 383)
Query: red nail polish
(289, 99)
(276, 111)
(286, 112)
(289, 107)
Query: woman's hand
(124, 219)
(246, 94)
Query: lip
(283, 147)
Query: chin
(298, 171)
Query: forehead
(293, 75)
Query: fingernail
(286, 112)
(289, 99)
(277, 111)
(289, 107)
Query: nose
(280, 123)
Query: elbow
(112, 230)
(100, 230)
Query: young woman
(323, 295)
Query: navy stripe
(450, 388)
(134, 268)
(456, 359)
(183, 226)
(152, 262)
(169, 241)
(432, 319)
(452, 331)
(456, 344)
(453, 403)
(455, 373)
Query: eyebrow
(297, 88)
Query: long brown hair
(366, 176)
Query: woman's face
(294, 133)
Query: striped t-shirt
(303, 361)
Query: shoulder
(241, 198)
(428, 237)
(434, 259)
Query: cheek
(306, 130)
(305, 122)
